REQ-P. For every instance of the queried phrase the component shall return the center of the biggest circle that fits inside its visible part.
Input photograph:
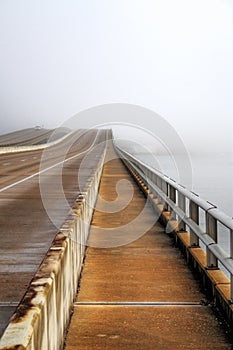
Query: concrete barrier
(41, 319)
(16, 149)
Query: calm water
(211, 179)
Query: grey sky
(174, 57)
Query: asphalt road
(32, 136)
(26, 230)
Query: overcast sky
(59, 57)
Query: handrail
(185, 208)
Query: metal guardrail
(185, 207)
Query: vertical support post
(212, 231)
(164, 188)
(172, 193)
(231, 243)
(231, 252)
(231, 290)
(182, 206)
(154, 179)
(155, 182)
(172, 196)
(149, 174)
(159, 182)
(194, 215)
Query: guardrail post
(231, 244)
(172, 196)
(211, 230)
(231, 252)
(153, 178)
(194, 215)
(159, 182)
(182, 206)
(172, 193)
(160, 186)
(164, 188)
(231, 291)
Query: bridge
(140, 271)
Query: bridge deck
(140, 295)
(26, 231)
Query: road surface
(26, 230)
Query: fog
(60, 57)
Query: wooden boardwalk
(139, 295)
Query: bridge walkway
(139, 295)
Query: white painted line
(5, 164)
(22, 160)
(138, 303)
(8, 303)
(51, 167)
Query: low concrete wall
(16, 149)
(42, 317)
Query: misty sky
(59, 57)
